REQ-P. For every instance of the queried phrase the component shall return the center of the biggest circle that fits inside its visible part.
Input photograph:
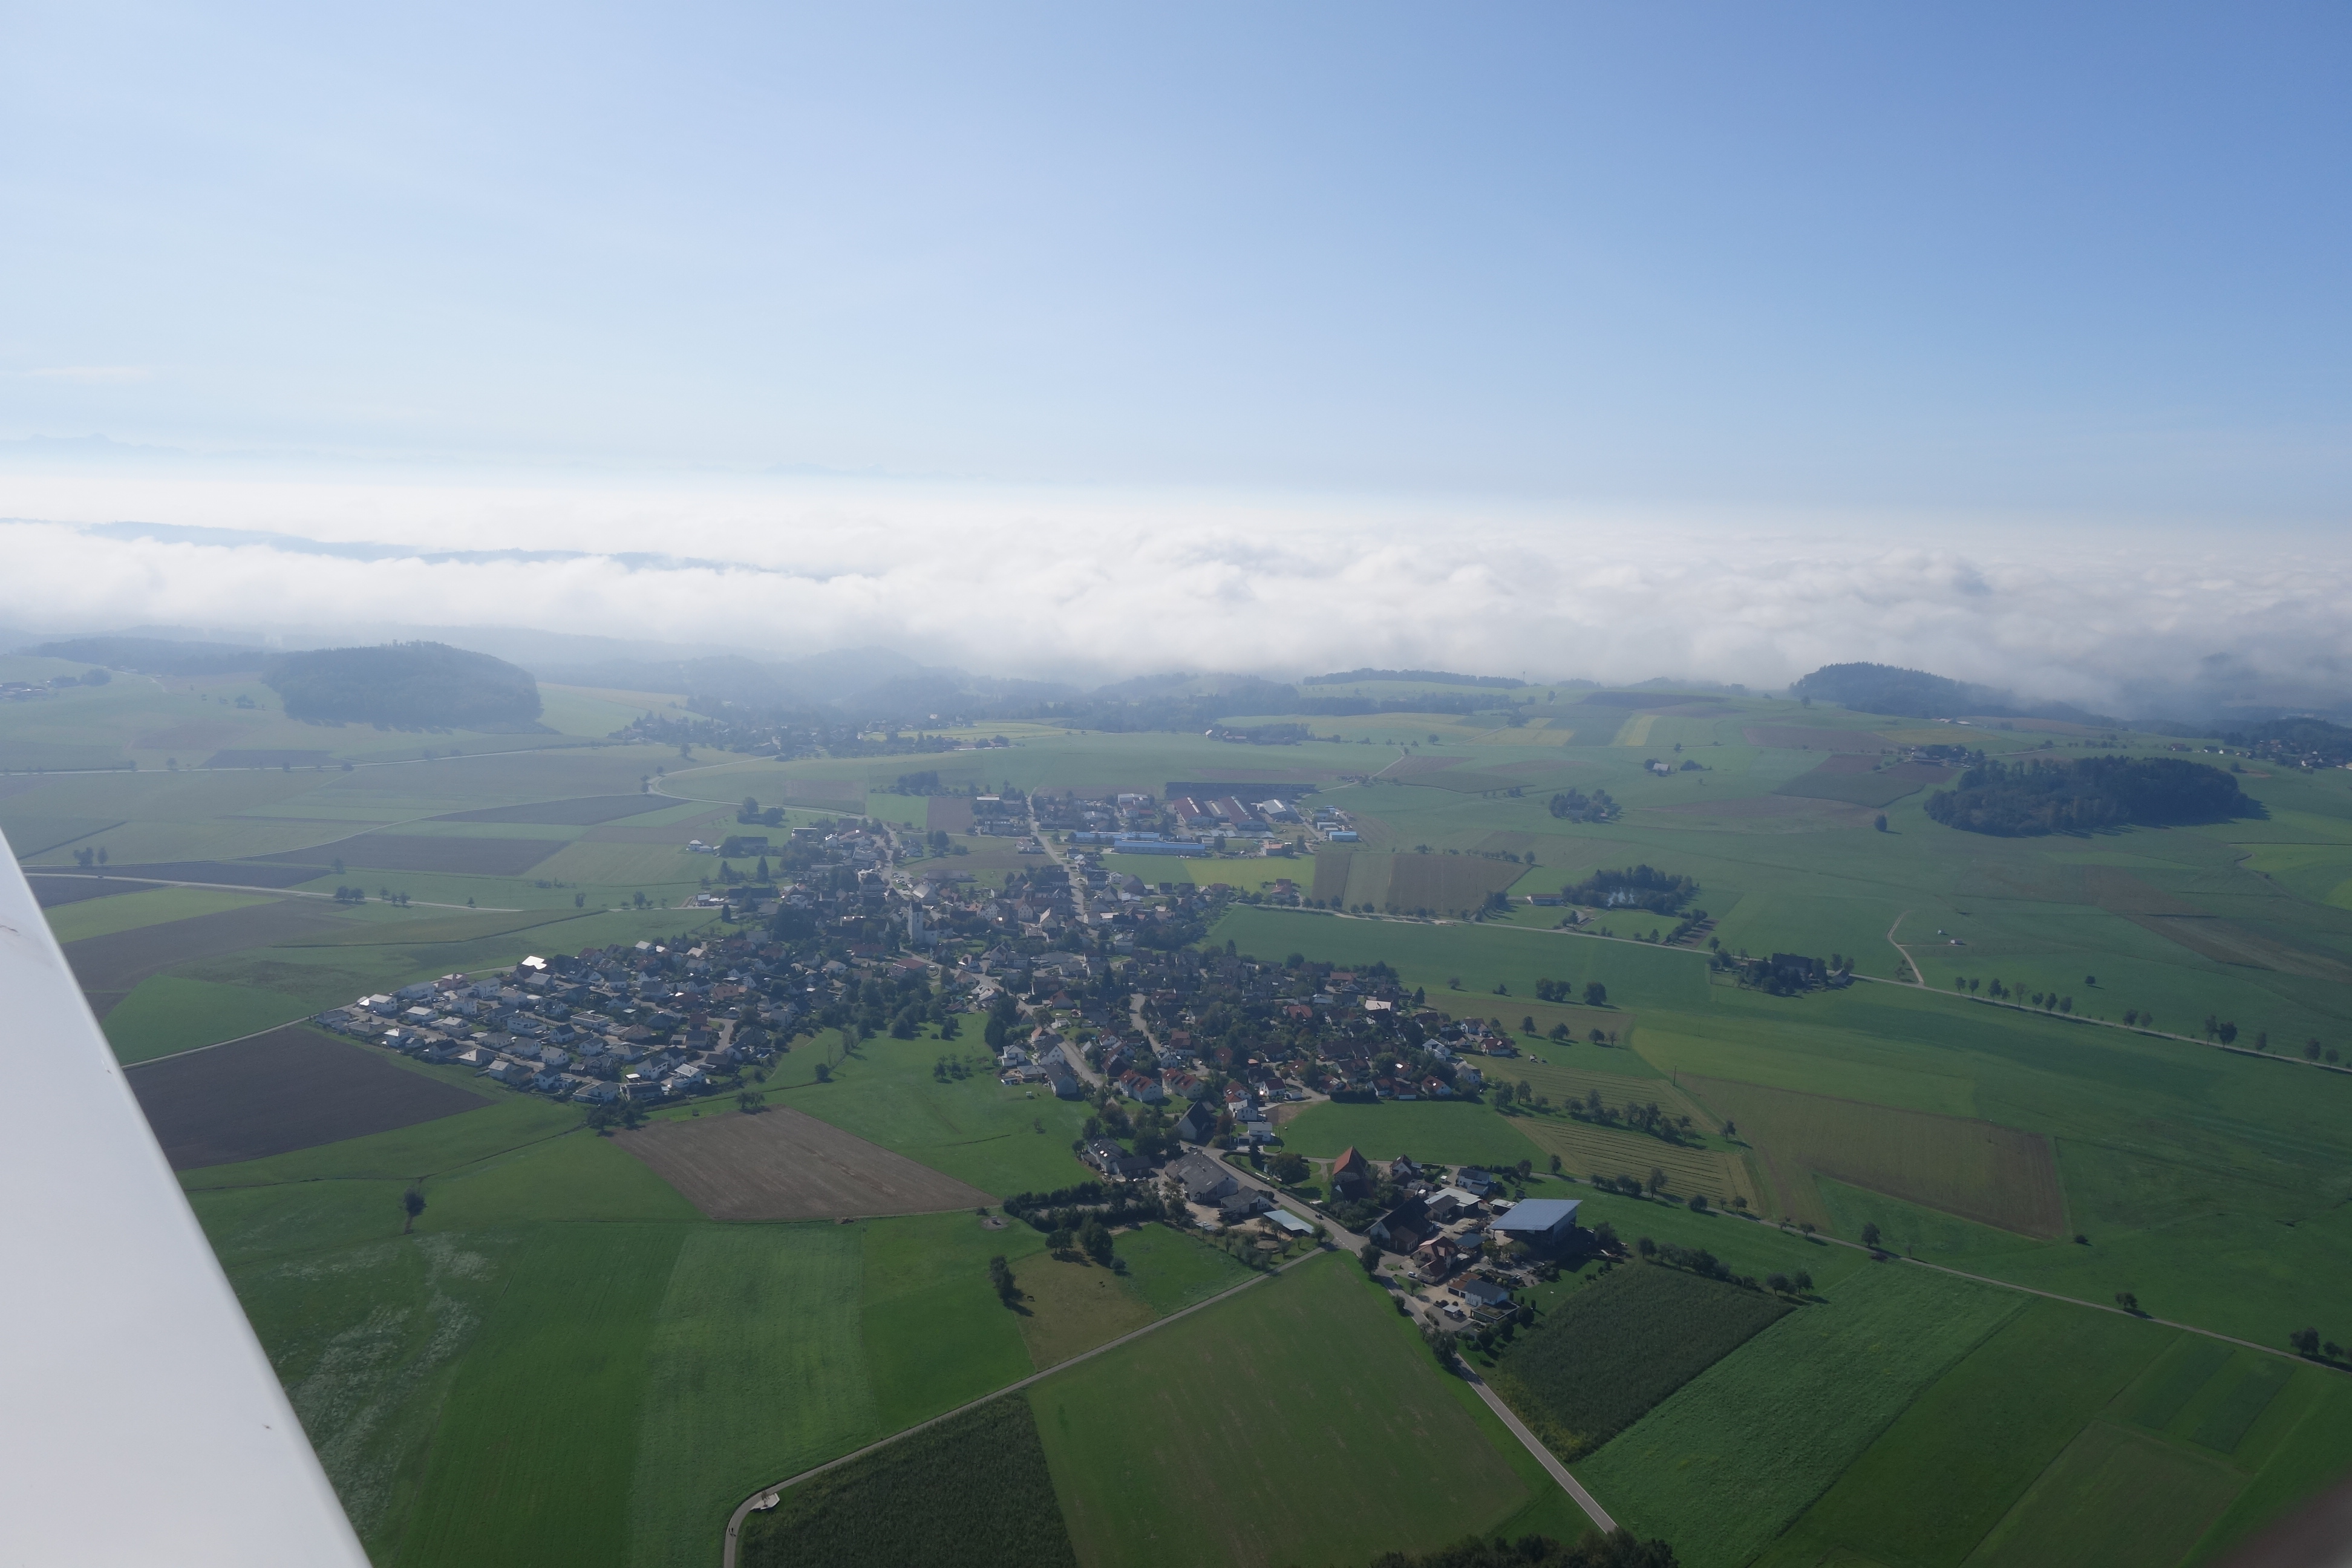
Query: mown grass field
(2115, 1499)
(1587, 1149)
(1723, 1466)
(999, 1513)
(1000, 1140)
(126, 911)
(1172, 1271)
(166, 1013)
(1994, 1175)
(1600, 1359)
(754, 1372)
(1455, 1133)
(1932, 1488)
(1304, 1404)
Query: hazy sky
(2003, 281)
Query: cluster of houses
(649, 1021)
(1443, 1223)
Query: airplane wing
(139, 1421)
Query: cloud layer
(1091, 586)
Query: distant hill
(1424, 676)
(425, 684)
(1905, 693)
(155, 656)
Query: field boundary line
(243, 887)
(1545, 1457)
(743, 1509)
(1881, 1255)
(193, 1051)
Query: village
(1083, 984)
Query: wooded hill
(2026, 799)
(425, 685)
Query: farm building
(1105, 1155)
(1540, 1222)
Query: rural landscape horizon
(1058, 787)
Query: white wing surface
(140, 1422)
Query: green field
(2115, 1498)
(1000, 1140)
(1606, 1353)
(167, 1014)
(1943, 1475)
(987, 1500)
(127, 912)
(1304, 1404)
(754, 1372)
(1454, 1133)
(1723, 1466)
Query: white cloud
(1095, 586)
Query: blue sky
(2087, 259)
(2005, 341)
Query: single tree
(412, 1203)
(2305, 1341)
(1870, 1235)
(1595, 993)
(1370, 1256)
(2128, 1302)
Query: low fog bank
(1075, 591)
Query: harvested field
(1332, 865)
(784, 1165)
(1446, 881)
(948, 814)
(2226, 941)
(291, 1089)
(1810, 738)
(1995, 1175)
(1849, 776)
(414, 852)
(107, 966)
(586, 812)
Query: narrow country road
(1545, 1457)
